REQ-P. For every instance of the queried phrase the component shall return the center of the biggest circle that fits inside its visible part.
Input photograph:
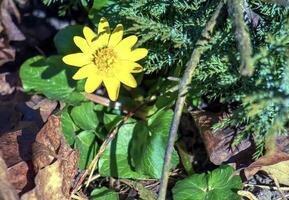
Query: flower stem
(183, 90)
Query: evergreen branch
(278, 2)
(235, 8)
(183, 90)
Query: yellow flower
(107, 58)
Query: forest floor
(24, 117)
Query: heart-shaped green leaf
(50, 77)
(220, 184)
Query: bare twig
(98, 99)
(278, 187)
(267, 187)
(117, 105)
(247, 194)
(183, 89)
(236, 11)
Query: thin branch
(236, 12)
(116, 105)
(183, 90)
(267, 187)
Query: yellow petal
(116, 36)
(103, 26)
(126, 78)
(127, 66)
(89, 35)
(85, 72)
(82, 44)
(126, 44)
(101, 41)
(76, 59)
(137, 54)
(92, 83)
(112, 86)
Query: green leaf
(68, 127)
(149, 144)
(185, 158)
(84, 116)
(84, 3)
(115, 160)
(50, 77)
(94, 11)
(110, 121)
(218, 184)
(63, 40)
(86, 144)
(103, 193)
(98, 4)
(143, 192)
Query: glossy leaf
(86, 144)
(50, 77)
(218, 184)
(63, 40)
(84, 116)
(103, 193)
(149, 144)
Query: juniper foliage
(170, 28)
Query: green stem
(183, 90)
(235, 8)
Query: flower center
(104, 59)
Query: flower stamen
(103, 59)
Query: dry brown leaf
(16, 151)
(7, 86)
(275, 164)
(7, 192)
(55, 162)
(21, 176)
(44, 105)
(9, 32)
(219, 144)
(16, 145)
(48, 181)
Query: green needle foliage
(170, 28)
(258, 104)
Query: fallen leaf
(48, 183)
(7, 86)
(7, 192)
(16, 145)
(37, 109)
(275, 164)
(219, 143)
(21, 176)
(9, 32)
(55, 162)
(16, 152)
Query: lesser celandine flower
(107, 58)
